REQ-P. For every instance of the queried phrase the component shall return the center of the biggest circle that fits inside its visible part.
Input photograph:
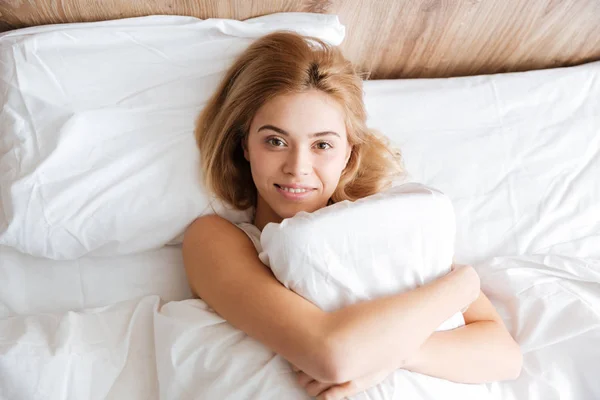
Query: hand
(328, 391)
(313, 387)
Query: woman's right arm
(224, 270)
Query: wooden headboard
(388, 38)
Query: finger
(338, 392)
(456, 266)
(294, 368)
(303, 379)
(315, 388)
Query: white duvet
(349, 252)
(549, 303)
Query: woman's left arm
(481, 351)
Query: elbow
(517, 364)
(323, 353)
(332, 368)
(338, 363)
(325, 365)
(510, 356)
(344, 360)
(513, 365)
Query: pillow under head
(97, 151)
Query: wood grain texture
(388, 38)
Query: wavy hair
(284, 63)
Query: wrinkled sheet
(550, 303)
(104, 353)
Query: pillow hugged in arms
(380, 245)
(384, 244)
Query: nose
(298, 162)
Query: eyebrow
(282, 132)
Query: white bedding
(388, 243)
(31, 285)
(551, 304)
(97, 153)
(518, 155)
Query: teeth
(292, 190)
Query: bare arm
(481, 351)
(387, 332)
(224, 270)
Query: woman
(286, 132)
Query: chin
(289, 212)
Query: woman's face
(297, 148)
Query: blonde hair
(283, 63)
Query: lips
(299, 189)
(294, 192)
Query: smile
(294, 192)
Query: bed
(98, 176)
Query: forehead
(302, 113)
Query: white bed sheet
(518, 154)
(31, 285)
(551, 305)
(104, 353)
(84, 329)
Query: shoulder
(214, 248)
(213, 231)
(206, 222)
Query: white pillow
(97, 152)
(388, 243)
(383, 244)
(517, 153)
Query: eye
(324, 146)
(275, 142)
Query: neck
(264, 214)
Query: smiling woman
(279, 94)
(297, 155)
(286, 133)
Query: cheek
(262, 164)
(331, 170)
